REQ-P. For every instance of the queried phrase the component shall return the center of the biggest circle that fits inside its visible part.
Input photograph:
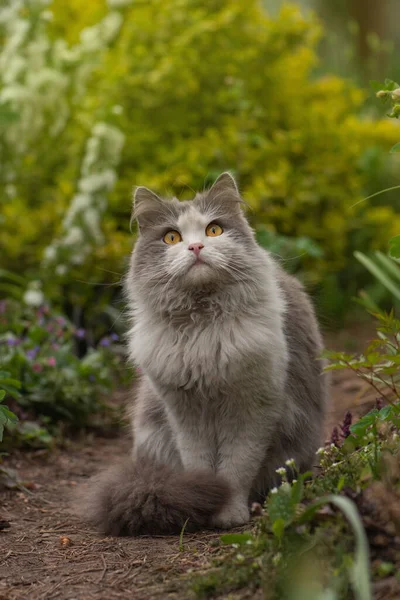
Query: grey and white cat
(231, 384)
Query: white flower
(320, 450)
(294, 481)
(33, 298)
(74, 236)
(274, 490)
(50, 253)
(61, 269)
(290, 462)
(281, 471)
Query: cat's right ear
(147, 206)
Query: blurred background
(97, 97)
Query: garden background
(100, 96)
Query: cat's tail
(145, 498)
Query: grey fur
(231, 383)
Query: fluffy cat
(231, 384)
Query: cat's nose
(196, 247)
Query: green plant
(10, 386)
(303, 153)
(39, 348)
(389, 92)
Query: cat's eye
(172, 237)
(213, 229)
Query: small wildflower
(37, 368)
(12, 341)
(345, 427)
(92, 378)
(294, 481)
(281, 471)
(290, 462)
(320, 450)
(52, 361)
(31, 354)
(80, 333)
(274, 490)
(396, 94)
(335, 438)
(33, 297)
(114, 337)
(105, 341)
(335, 464)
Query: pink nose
(196, 247)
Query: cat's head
(198, 244)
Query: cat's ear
(224, 190)
(147, 207)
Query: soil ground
(48, 554)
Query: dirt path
(48, 554)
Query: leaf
(390, 85)
(394, 247)
(378, 274)
(2, 395)
(360, 571)
(377, 86)
(385, 412)
(390, 264)
(11, 390)
(278, 528)
(394, 149)
(236, 538)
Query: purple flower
(335, 436)
(345, 427)
(31, 354)
(105, 341)
(114, 337)
(92, 378)
(80, 333)
(13, 341)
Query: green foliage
(301, 151)
(309, 541)
(48, 384)
(379, 366)
(394, 247)
(386, 273)
(9, 386)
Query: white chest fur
(208, 354)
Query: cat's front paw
(232, 515)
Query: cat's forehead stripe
(191, 217)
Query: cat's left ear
(147, 207)
(225, 190)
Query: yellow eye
(172, 237)
(213, 230)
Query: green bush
(62, 380)
(169, 94)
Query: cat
(231, 386)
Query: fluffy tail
(139, 499)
